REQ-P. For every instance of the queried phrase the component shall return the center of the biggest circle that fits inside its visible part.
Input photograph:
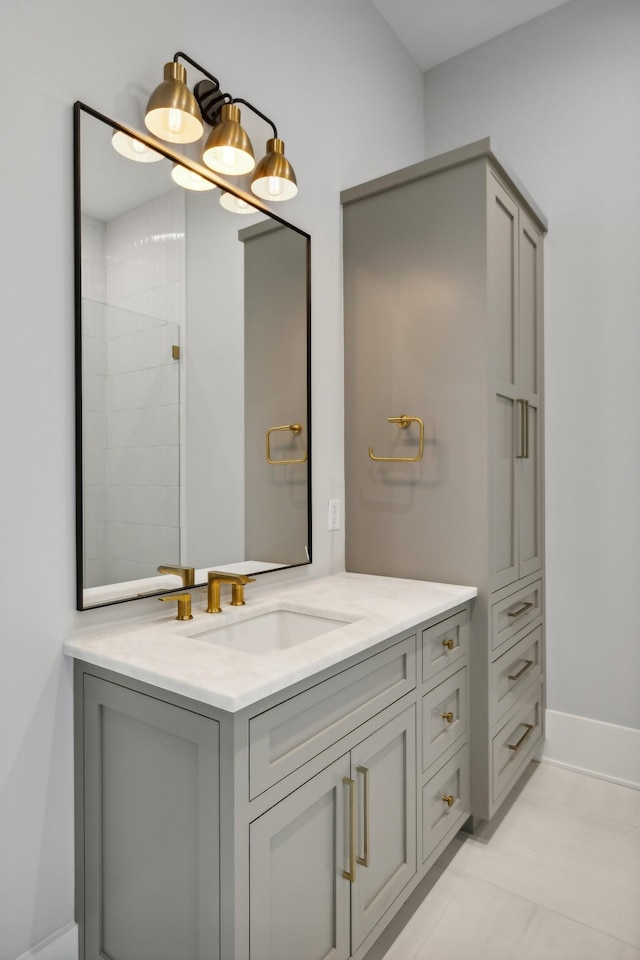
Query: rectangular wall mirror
(192, 376)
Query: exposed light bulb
(274, 186)
(227, 156)
(174, 120)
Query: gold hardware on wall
(516, 746)
(523, 609)
(403, 422)
(184, 605)
(350, 874)
(448, 644)
(186, 574)
(527, 666)
(364, 859)
(449, 799)
(296, 430)
(175, 351)
(447, 716)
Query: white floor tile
(554, 937)
(589, 794)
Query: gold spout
(237, 581)
(186, 574)
(184, 605)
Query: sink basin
(269, 631)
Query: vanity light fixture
(189, 180)
(177, 115)
(172, 112)
(274, 178)
(134, 149)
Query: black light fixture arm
(198, 66)
(258, 112)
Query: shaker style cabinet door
(298, 897)
(514, 288)
(384, 769)
(151, 828)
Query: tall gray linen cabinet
(443, 310)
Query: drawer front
(514, 671)
(510, 615)
(445, 801)
(444, 717)
(285, 737)
(444, 643)
(513, 746)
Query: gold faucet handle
(186, 574)
(237, 591)
(184, 605)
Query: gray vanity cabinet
(443, 322)
(292, 829)
(299, 847)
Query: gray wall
(111, 56)
(560, 97)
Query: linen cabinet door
(530, 393)
(384, 768)
(151, 828)
(502, 300)
(298, 897)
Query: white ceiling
(436, 30)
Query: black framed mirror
(193, 414)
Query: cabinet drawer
(514, 671)
(444, 717)
(510, 615)
(512, 747)
(444, 643)
(286, 736)
(441, 815)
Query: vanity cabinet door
(151, 828)
(384, 769)
(298, 897)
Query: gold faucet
(186, 574)
(184, 605)
(237, 581)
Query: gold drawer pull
(448, 644)
(447, 716)
(350, 874)
(516, 746)
(449, 800)
(527, 666)
(364, 860)
(520, 610)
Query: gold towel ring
(296, 430)
(403, 422)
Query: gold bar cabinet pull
(516, 746)
(364, 860)
(521, 672)
(350, 874)
(524, 430)
(522, 609)
(296, 430)
(403, 422)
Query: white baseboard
(61, 945)
(599, 749)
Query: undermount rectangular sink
(269, 631)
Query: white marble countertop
(167, 653)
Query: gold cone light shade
(274, 178)
(235, 204)
(228, 149)
(189, 180)
(172, 112)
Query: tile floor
(554, 876)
